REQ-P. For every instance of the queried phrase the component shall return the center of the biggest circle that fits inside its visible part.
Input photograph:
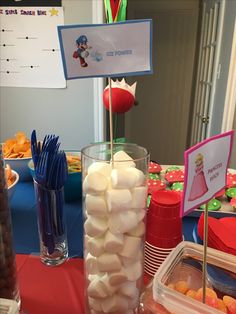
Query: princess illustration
(199, 186)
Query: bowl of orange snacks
(17, 153)
(73, 185)
(12, 178)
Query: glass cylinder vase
(8, 274)
(114, 207)
(51, 225)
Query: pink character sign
(206, 167)
(199, 185)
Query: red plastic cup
(163, 242)
(163, 228)
(165, 204)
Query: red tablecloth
(50, 290)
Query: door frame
(230, 99)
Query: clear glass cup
(8, 273)
(51, 225)
(114, 207)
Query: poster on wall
(97, 50)
(206, 167)
(30, 3)
(29, 53)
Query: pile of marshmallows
(115, 205)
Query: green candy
(213, 204)
(172, 168)
(231, 192)
(154, 176)
(177, 186)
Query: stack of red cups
(163, 228)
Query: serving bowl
(73, 185)
(20, 165)
(12, 187)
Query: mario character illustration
(199, 185)
(82, 51)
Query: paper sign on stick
(206, 167)
(97, 50)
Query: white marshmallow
(113, 243)
(139, 197)
(134, 271)
(122, 179)
(134, 302)
(139, 175)
(128, 289)
(95, 226)
(106, 280)
(131, 246)
(95, 304)
(95, 205)
(115, 303)
(118, 200)
(140, 214)
(127, 261)
(117, 278)
(124, 160)
(95, 246)
(101, 167)
(122, 222)
(108, 262)
(137, 231)
(95, 182)
(97, 289)
(91, 264)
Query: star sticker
(53, 12)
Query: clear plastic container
(182, 272)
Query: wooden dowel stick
(205, 243)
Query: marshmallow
(95, 182)
(134, 271)
(127, 261)
(131, 246)
(97, 289)
(137, 231)
(128, 289)
(122, 179)
(115, 303)
(101, 167)
(108, 262)
(113, 243)
(140, 214)
(139, 175)
(124, 160)
(110, 288)
(117, 278)
(122, 222)
(95, 205)
(118, 200)
(95, 246)
(139, 197)
(134, 302)
(91, 264)
(95, 226)
(95, 304)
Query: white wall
(65, 112)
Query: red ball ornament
(123, 96)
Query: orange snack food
(181, 286)
(230, 304)
(18, 147)
(10, 178)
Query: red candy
(174, 176)
(155, 185)
(154, 167)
